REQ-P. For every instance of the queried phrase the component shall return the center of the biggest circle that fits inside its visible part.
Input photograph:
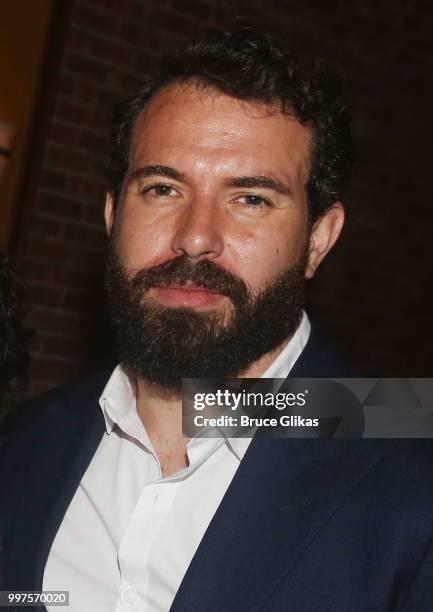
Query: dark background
(372, 295)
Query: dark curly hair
(250, 65)
(14, 359)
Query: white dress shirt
(129, 533)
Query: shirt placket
(135, 548)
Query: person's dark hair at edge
(250, 65)
(14, 358)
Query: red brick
(45, 295)
(98, 118)
(62, 157)
(65, 134)
(73, 112)
(36, 271)
(92, 189)
(131, 10)
(44, 248)
(66, 85)
(93, 19)
(54, 179)
(59, 321)
(63, 207)
(165, 21)
(44, 226)
(87, 91)
(94, 214)
(101, 48)
(34, 345)
(77, 300)
(132, 32)
(92, 69)
(71, 348)
(196, 8)
(89, 235)
(94, 143)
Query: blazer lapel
(281, 496)
(71, 438)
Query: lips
(187, 295)
(190, 286)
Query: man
(225, 175)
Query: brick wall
(370, 295)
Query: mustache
(205, 274)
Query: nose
(199, 232)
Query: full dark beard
(164, 345)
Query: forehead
(189, 124)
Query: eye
(161, 190)
(254, 201)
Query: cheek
(258, 256)
(142, 242)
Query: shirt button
(130, 596)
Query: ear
(324, 235)
(109, 212)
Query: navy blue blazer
(306, 525)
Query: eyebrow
(257, 181)
(264, 182)
(155, 169)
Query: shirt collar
(118, 402)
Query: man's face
(214, 208)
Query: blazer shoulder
(320, 358)
(71, 400)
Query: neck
(160, 411)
